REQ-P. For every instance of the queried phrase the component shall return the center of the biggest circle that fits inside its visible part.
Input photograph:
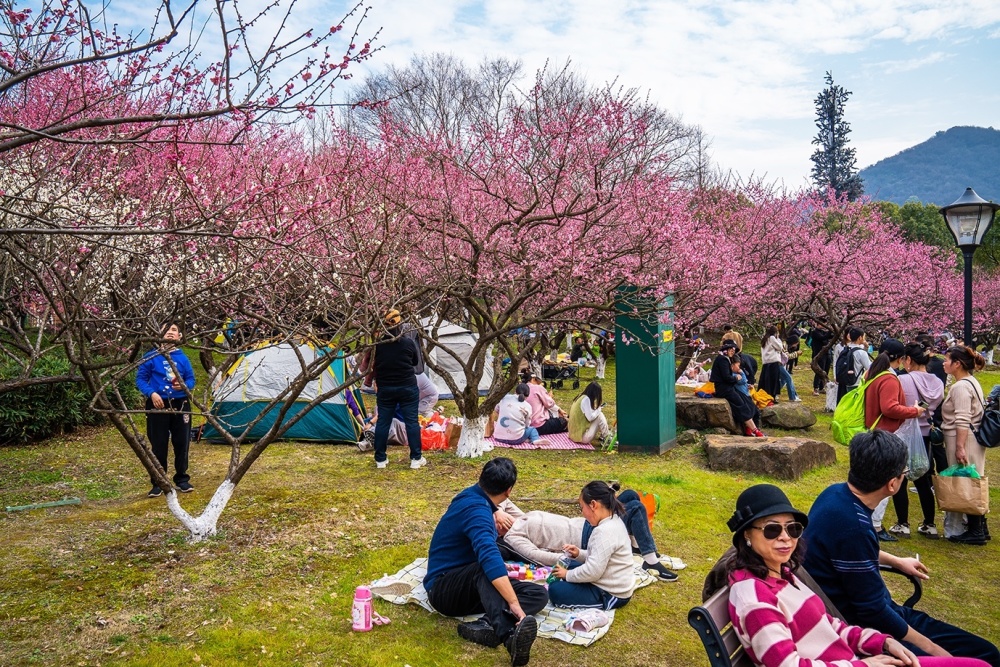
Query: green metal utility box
(644, 359)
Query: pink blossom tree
(533, 216)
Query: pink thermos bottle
(361, 611)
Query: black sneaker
(185, 487)
(479, 632)
(155, 492)
(884, 536)
(520, 641)
(660, 572)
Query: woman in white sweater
(770, 359)
(602, 575)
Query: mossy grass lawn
(114, 581)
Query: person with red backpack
(886, 409)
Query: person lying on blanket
(466, 573)
(600, 576)
(538, 537)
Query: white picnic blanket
(553, 621)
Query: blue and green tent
(258, 376)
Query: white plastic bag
(831, 396)
(909, 433)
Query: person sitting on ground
(513, 419)
(546, 417)
(777, 618)
(466, 573)
(844, 555)
(587, 422)
(725, 381)
(581, 353)
(538, 537)
(601, 575)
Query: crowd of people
(778, 619)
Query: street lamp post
(969, 218)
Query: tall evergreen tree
(834, 164)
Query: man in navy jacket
(466, 573)
(843, 554)
(165, 377)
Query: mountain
(938, 170)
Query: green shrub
(42, 411)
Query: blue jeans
(405, 399)
(530, 433)
(635, 520)
(786, 381)
(565, 594)
(956, 641)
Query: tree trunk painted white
(202, 526)
(471, 442)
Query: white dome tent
(460, 341)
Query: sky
(746, 71)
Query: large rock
(705, 413)
(782, 458)
(788, 415)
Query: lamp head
(969, 218)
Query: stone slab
(782, 458)
(787, 415)
(705, 413)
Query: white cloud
(745, 70)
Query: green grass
(114, 582)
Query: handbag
(965, 495)
(988, 431)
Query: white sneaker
(928, 531)
(381, 464)
(417, 463)
(796, 400)
(672, 563)
(901, 529)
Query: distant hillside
(938, 170)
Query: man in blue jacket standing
(164, 377)
(466, 573)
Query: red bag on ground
(433, 434)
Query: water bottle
(564, 562)
(361, 610)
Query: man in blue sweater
(843, 554)
(466, 573)
(164, 377)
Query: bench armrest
(918, 586)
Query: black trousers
(164, 427)
(553, 425)
(924, 484)
(824, 363)
(466, 590)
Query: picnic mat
(556, 441)
(552, 621)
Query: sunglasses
(772, 531)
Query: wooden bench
(711, 620)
